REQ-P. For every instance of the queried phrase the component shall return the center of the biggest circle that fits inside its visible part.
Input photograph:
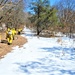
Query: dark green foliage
(45, 15)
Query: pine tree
(44, 15)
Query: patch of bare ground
(5, 48)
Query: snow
(40, 56)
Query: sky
(52, 2)
(40, 56)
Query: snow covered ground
(40, 56)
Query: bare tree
(66, 13)
(12, 12)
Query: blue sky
(51, 3)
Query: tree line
(12, 13)
(42, 16)
(60, 16)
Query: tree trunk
(38, 32)
(70, 32)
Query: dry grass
(5, 48)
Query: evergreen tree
(44, 15)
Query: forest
(37, 37)
(42, 17)
(59, 17)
